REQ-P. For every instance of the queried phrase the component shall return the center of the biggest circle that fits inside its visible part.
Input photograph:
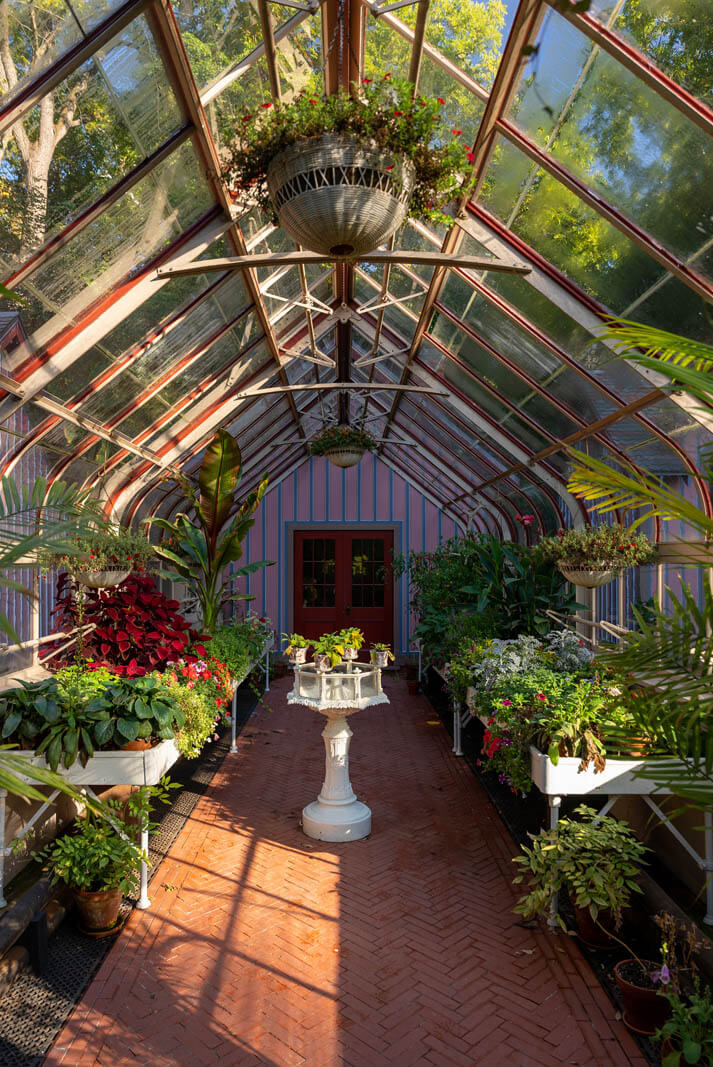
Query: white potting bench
(104, 768)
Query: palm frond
(606, 488)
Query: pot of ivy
(100, 859)
(595, 555)
(297, 647)
(380, 654)
(352, 640)
(687, 1036)
(595, 860)
(342, 446)
(106, 557)
(328, 651)
(340, 173)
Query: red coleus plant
(137, 628)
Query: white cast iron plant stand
(336, 814)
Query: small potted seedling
(380, 654)
(328, 651)
(352, 639)
(297, 647)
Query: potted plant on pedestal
(99, 860)
(342, 445)
(328, 651)
(340, 173)
(380, 654)
(352, 639)
(296, 647)
(595, 555)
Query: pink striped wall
(318, 493)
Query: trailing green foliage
(596, 548)
(102, 852)
(387, 112)
(690, 1028)
(106, 548)
(202, 546)
(346, 437)
(241, 644)
(595, 859)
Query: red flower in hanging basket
(441, 100)
(266, 105)
(456, 133)
(398, 114)
(368, 81)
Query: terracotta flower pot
(645, 1010)
(594, 933)
(98, 910)
(139, 745)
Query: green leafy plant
(238, 645)
(341, 437)
(672, 649)
(595, 859)
(331, 645)
(596, 548)
(380, 646)
(352, 637)
(295, 641)
(200, 715)
(129, 709)
(102, 852)
(387, 111)
(202, 547)
(690, 1028)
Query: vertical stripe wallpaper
(317, 494)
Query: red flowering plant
(106, 548)
(136, 628)
(387, 112)
(596, 548)
(208, 675)
(563, 714)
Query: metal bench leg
(554, 804)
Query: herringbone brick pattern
(265, 947)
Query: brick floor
(264, 947)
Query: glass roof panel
(39, 33)
(122, 240)
(676, 35)
(619, 136)
(563, 229)
(225, 111)
(106, 118)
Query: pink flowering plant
(387, 112)
(201, 689)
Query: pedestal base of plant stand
(327, 822)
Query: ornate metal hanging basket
(336, 196)
(587, 579)
(345, 457)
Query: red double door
(344, 578)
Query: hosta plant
(596, 860)
(131, 709)
(386, 111)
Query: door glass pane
(318, 572)
(368, 573)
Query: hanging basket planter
(344, 457)
(585, 578)
(101, 579)
(343, 446)
(336, 196)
